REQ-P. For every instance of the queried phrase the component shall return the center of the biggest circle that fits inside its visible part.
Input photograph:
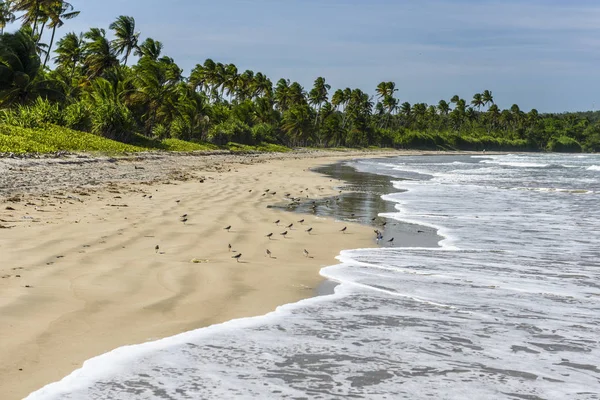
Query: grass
(17, 140)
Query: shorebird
(273, 193)
(290, 226)
(184, 216)
(184, 220)
(309, 230)
(268, 253)
(287, 194)
(229, 246)
(227, 228)
(384, 224)
(177, 201)
(343, 230)
(277, 222)
(373, 219)
(156, 248)
(237, 257)
(305, 253)
(301, 221)
(267, 190)
(391, 241)
(269, 235)
(284, 233)
(149, 197)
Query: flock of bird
(379, 235)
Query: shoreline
(82, 277)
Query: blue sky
(538, 54)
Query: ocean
(506, 307)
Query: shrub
(563, 144)
(112, 120)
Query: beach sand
(80, 275)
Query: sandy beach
(80, 273)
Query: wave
(594, 168)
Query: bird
(391, 240)
(373, 219)
(277, 222)
(309, 230)
(301, 221)
(184, 216)
(343, 230)
(149, 197)
(229, 246)
(283, 233)
(156, 248)
(177, 201)
(184, 220)
(273, 193)
(237, 257)
(305, 253)
(227, 228)
(290, 226)
(384, 224)
(267, 190)
(269, 235)
(268, 253)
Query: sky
(541, 54)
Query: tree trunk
(50, 47)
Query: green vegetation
(124, 95)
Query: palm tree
(69, 51)
(282, 94)
(98, 53)
(443, 107)
(21, 80)
(386, 89)
(126, 38)
(6, 14)
(318, 95)
(477, 100)
(60, 11)
(296, 123)
(149, 48)
(487, 97)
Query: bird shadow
(243, 262)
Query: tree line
(127, 87)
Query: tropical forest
(112, 89)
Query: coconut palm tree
(6, 14)
(487, 97)
(443, 107)
(149, 48)
(477, 100)
(318, 95)
(126, 38)
(99, 55)
(57, 13)
(69, 51)
(282, 95)
(21, 80)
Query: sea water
(508, 307)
